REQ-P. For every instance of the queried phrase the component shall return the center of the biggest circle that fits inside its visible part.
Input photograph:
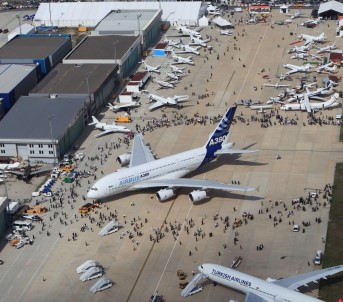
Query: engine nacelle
(164, 194)
(124, 159)
(227, 146)
(270, 280)
(233, 301)
(196, 196)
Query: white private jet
(295, 68)
(189, 49)
(329, 67)
(166, 85)
(259, 290)
(311, 22)
(182, 60)
(175, 69)
(297, 14)
(144, 172)
(308, 38)
(226, 32)
(106, 128)
(122, 106)
(213, 10)
(172, 43)
(301, 49)
(160, 101)
(199, 41)
(310, 107)
(151, 68)
(300, 56)
(275, 100)
(328, 48)
(173, 76)
(276, 85)
(186, 31)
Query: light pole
(19, 23)
(171, 13)
(139, 26)
(51, 116)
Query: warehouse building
(44, 50)
(143, 23)
(48, 132)
(96, 82)
(89, 14)
(110, 49)
(16, 80)
(330, 10)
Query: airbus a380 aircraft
(258, 290)
(168, 173)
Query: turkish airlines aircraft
(168, 173)
(258, 290)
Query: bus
(22, 225)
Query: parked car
(318, 258)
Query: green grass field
(332, 290)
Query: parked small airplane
(175, 69)
(213, 10)
(189, 49)
(311, 22)
(173, 43)
(144, 172)
(261, 108)
(300, 56)
(173, 76)
(160, 101)
(226, 32)
(275, 100)
(328, 48)
(29, 171)
(301, 49)
(186, 31)
(284, 77)
(122, 106)
(106, 128)
(277, 85)
(297, 14)
(310, 107)
(9, 166)
(166, 85)
(295, 68)
(258, 290)
(151, 68)
(181, 60)
(309, 39)
(198, 41)
(330, 67)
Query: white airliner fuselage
(250, 284)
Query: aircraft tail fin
(219, 136)
(94, 121)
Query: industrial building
(47, 132)
(16, 80)
(44, 50)
(142, 23)
(109, 49)
(96, 82)
(73, 14)
(330, 10)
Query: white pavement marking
(19, 274)
(4, 275)
(33, 256)
(171, 252)
(252, 63)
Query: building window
(50, 146)
(2, 145)
(30, 145)
(51, 152)
(41, 152)
(3, 151)
(40, 146)
(32, 152)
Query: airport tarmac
(45, 271)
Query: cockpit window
(94, 189)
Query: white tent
(74, 14)
(221, 22)
(203, 21)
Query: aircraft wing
(40, 171)
(307, 104)
(251, 297)
(18, 173)
(106, 132)
(140, 153)
(156, 105)
(192, 183)
(302, 280)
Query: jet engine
(124, 159)
(164, 194)
(270, 280)
(227, 146)
(233, 300)
(196, 196)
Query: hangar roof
(36, 125)
(72, 79)
(331, 5)
(12, 74)
(91, 13)
(32, 46)
(102, 47)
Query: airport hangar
(330, 10)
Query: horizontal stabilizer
(234, 151)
